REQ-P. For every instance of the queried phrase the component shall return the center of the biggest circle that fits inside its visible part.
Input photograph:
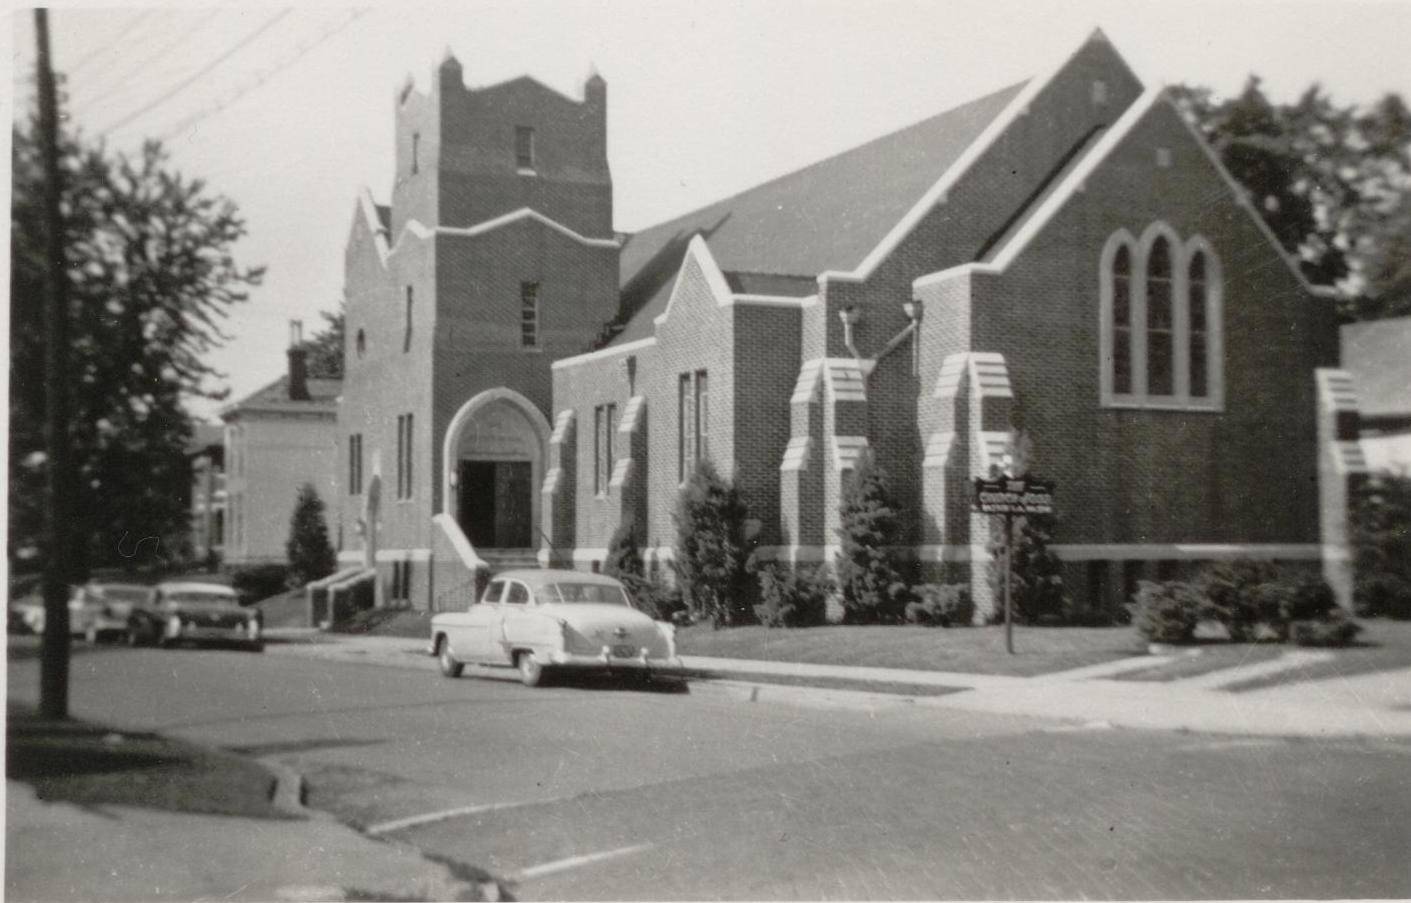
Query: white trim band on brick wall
(1075, 552)
(788, 301)
(603, 353)
(403, 554)
(421, 230)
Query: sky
(288, 110)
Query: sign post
(1009, 496)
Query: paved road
(596, 792)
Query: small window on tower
(416, 152)
(524, 147)
(529, 314)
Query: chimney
(298, 363)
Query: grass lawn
(973, 650)
(92, 765)
(1382, 645)
(1214, 656)
(289, 609)
(388, 622)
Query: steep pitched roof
(1375, 353)
(827, 216)
(323, 395)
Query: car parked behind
(188, 612)
(102, 610)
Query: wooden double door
(497, 503)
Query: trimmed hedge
(941, 605)
(260, 581)
(1168, 612)
(1335, 630)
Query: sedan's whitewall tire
(531, 673)
(449, 666)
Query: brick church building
(1064, 255)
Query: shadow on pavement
(92, 765)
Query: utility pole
(58, 564)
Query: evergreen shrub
(311, 555)
(871, 582)
(793, 598)
(1380, 526)
(710, 548)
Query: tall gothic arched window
(1160, 315)
(1122, 322)
(1198, 331)
(1160, 344)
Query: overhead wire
(110, 45)
(122, 80)
(201, 115)
(198, 74)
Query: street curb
(289, 799)
(762, 691)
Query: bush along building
(1064, 255)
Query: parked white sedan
(538, 620)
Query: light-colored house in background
(276, 440)
(1378, 355)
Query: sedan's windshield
(200, 599)
(601, 593)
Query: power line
(271, 73)
(121, 82)
(114, 43)
(191, 79)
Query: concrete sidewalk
(1372, 705)
(1367, 705)
(60, 851)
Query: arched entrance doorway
(493, 465)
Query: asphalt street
(602, 792)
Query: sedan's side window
(518, 595)
(492, 594)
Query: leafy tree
(1381, 547)
(310, 552)
(710, 547)
(873, 588)
(325, 347)
(151, 275)
(1332, 182)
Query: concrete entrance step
(509, 559)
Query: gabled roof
(323, 396)
(827, 216)
(1375, 352)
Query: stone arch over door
(499, 432)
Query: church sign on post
(1013, 495)
(1010, 496)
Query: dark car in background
(189, 612)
